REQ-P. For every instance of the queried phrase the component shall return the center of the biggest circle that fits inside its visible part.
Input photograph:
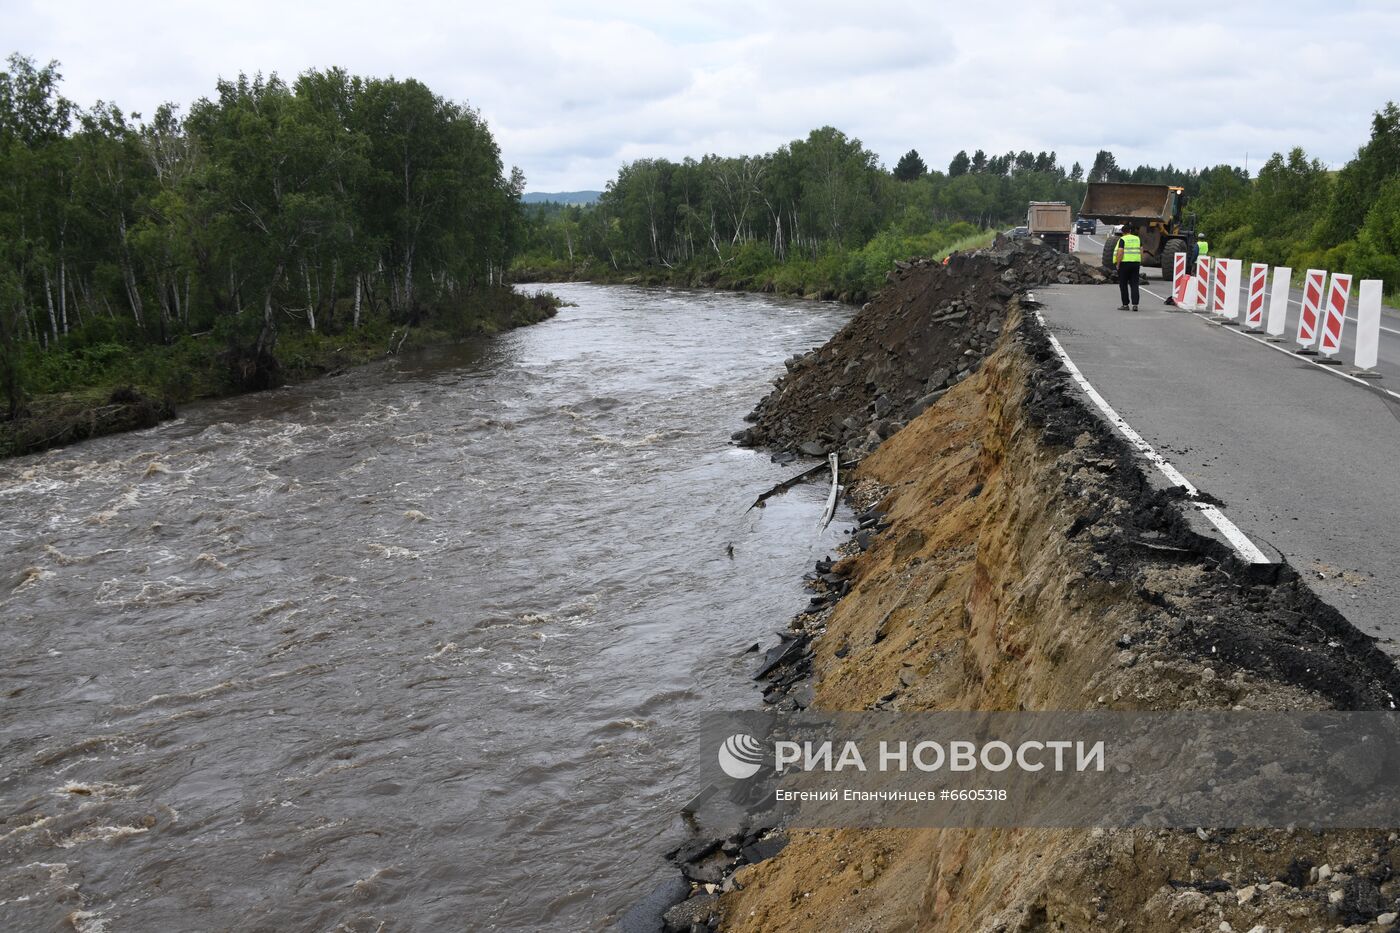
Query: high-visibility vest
(1202, 248)
(1131, 246)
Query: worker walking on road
(1128, 258)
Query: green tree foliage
(1296, 213)
(306, 207)
(1105, 168)
(1360, 180)
(910, 166)
(1287, 196)
(1377, 252)
(821, 194)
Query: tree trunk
(267, 337)
(77, 305)
(63, 292)
(330, 299)
(358, 291)
(163, 289)
(310, 303)
(133, 294)
(48, 296)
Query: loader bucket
(1116, 203)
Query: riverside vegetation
(275, 231)
(820, 217)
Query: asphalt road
(1307, 463)
(1389, 365)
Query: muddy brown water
(416, 647)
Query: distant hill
(561, 197)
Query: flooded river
(412, 648)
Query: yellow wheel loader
(1155, 210)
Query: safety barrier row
(1215, 288)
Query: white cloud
(574, 89)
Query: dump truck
(1051, 221)
(1155, 210)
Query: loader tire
(1110, 243)
(1169, 252)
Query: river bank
(850, 276)
(102, 389)
(1011, 555)
(759, 283)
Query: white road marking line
(1291, 355)
(1299, 302)
(1244, 547)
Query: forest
(279, 230)
(1296, 212)
(821, 215)
(218, 250)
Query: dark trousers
(1128, 277)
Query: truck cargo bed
(1049, 217)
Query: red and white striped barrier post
(1202, 302)
(1073, 242)
(1278, 302)
(1254, 310)
(1307, 315)
(1233, 268)
(1334, 317)
(1368, 329)
(1180, 280)
(1217, 304)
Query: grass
(850, 275)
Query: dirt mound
(928, 330)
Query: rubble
(927, 331)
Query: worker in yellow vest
(1128, 258)
(1199, 247)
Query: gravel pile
(927, 330)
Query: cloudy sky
(573, 89)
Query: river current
(417, 647)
